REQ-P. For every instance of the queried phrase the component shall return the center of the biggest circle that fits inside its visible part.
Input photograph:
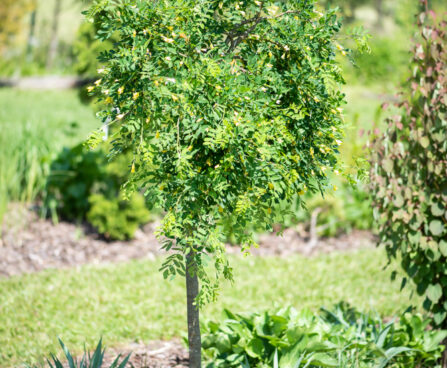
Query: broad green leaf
(436, 227)
(434, 292)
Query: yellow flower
(136, 95)
(335, 188)
(271, 186)
(120, 90)
(132, 170)
(157, 135)
(109, 100)
(166, 39)
(90, 88)
(220, 209)
(98, 82)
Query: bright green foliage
(228, 106)
(288, 338)
(86, 48)
(84, 185)
(76, 174)
(409, 174)
(117, 218)
(95, 360)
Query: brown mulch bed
(30, 244)
(157, 354)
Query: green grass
(35, 125)
(131, 302)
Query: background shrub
(84, 185)
(409, 178)
(117, 218)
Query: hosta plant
(409, 172)
(228, 108)
(342, 337)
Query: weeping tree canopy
(229, 108)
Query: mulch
(157, 354)
(29, 244)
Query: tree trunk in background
(192, 290)
(31, 38)
(52, 50)
(379, 10)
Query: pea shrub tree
(228, 107)
(409, 173)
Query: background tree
(229, 107)
(12, 13)
(54, 40)
(409, 176)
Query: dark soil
(30, 244)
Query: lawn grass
(35, 125)
(131, 301)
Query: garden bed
(31, 244)
(157, 354)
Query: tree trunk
(31, 36)
(52, 50)
(192, 290)
(379, 10)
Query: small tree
(229, 107)
(409, 173)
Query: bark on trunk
(379, 9)
(31, 36)
(192, 290)
(444, 355)
(54, 43)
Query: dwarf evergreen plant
(229, 107)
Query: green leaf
(388, 165)
(443, 247)
(437, 209)
(439, 317)
(255, 348)
(434, 292)
(436, 227)
(424, 141)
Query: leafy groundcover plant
(343, 337)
